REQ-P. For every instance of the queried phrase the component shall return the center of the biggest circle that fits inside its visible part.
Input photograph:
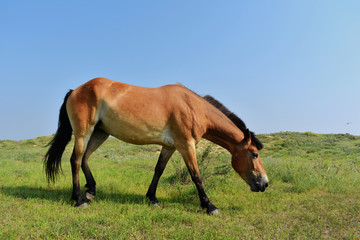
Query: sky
(279, 65)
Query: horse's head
(247, 163)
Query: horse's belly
(135, 133)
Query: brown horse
(171, 116)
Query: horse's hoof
(154, 204)
(214, 212)
(90, 197)
(83, 205)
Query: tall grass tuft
(210, 165)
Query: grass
(314, 193)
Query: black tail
(52, 160)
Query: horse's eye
(254, 155)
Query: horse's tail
(52, 159)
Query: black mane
(236, 120)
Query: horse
(171, 116)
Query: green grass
(314, 193)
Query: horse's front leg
(189, 155)
(205, 202)
(164, 157)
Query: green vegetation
(314, 192)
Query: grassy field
(314, 192)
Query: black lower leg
(77, 197)
(159, 169)
(204, 200)
(90, 182)
(151, 193)
(76, 194)
(90, 188)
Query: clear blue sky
(279, 65)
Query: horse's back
(138, 115)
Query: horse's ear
(247, 135)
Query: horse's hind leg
(97, 138)
(164, 157)
(81, 142)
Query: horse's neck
(224, 132)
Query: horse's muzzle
(259, 183)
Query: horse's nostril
(266, 185)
